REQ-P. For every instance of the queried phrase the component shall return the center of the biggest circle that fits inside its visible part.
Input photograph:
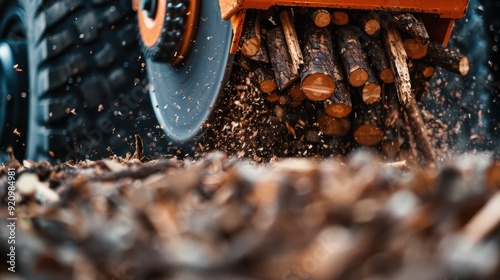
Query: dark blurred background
(471, 108)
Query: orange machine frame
(440, 14)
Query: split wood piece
(485, 221)
(339, 105)
(339, 17)
(331, 126)
(368, 124)
(251, 40)
(291, 39)
(284, 71)
(420, 133)
(265, 78)
(320, 17)
(316, 78)
(352, 55)
(139, 148)
(368, 21)
(412, 26)
(296, 95)
(379, 61)
(371, 91)
(414, 48)
(448, 59)
(398, 58)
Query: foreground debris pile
(224, 218)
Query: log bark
(447, 59)
(284, 70)
(316, 78)
(368, 129)
(352, 55)
(391, 106)
(320, 17)
(291, 39)
(265, 78)
(398, 58)
(251, 40)
(412, 26)
(379, 61)
(339, 17)
(339, 105)
(331, 126)
(371, 91)
(391, 143)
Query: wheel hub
(167, 28)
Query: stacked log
(327, 55)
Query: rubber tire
(86, 79)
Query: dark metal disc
(185, 95)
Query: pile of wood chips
(226, 218)
(361, 73)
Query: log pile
(226, 218)
(342, 61)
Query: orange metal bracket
(438, 14)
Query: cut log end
(368, 135)
(250, 47)
(414, 48)
(371, 93)
(387, 76)
(340, 18)
(273, 97)
(372, 26)
(358, 77)
(318, 86)
(321, 18)
(464, 66)
(331, 126)
(429, 71)
(338, 110)
(268, 86)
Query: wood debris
(226, 218)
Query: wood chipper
(83, 66)
(311, 47)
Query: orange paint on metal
(149, 28)
(444, 8)
(237, 22)
(445, 12)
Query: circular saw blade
(184, 95)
